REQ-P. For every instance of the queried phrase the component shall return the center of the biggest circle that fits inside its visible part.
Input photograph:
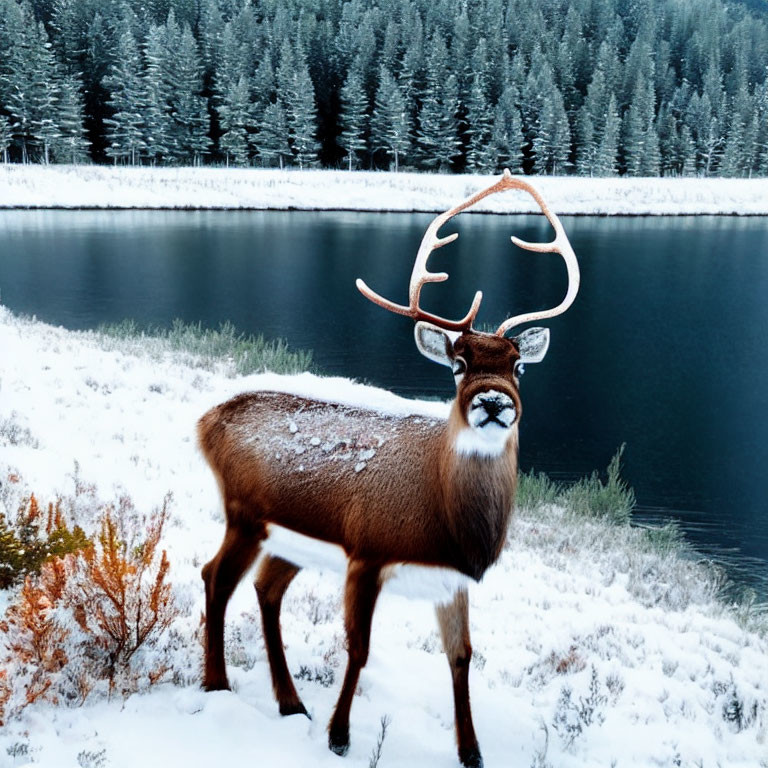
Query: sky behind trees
(589, 87)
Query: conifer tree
(5, 137)
(31, 86)
(390, 125)
(158, 123)
(353, 116)
(606, 160)
(301, 112)
(480, 155)
(188, 107)
(552, 142)
(44, 90)
(72, 144)
(271, 140)
(125, 127)
(262, 87)
(235, 112)
(437, 134)
(507, 133)
(586, 143)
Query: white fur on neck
(489, 441)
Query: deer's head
(486, 366)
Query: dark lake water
(665, 349)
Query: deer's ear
(533, 344)
(435, 343)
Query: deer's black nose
(493, 404)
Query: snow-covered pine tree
(507, 132)
(44, 90)
(606, 158)
(72, 144)
(437, 135)
(301, 112)
(230, 66)
(235, 115)
(158, 122)
(411, 75)
(586, 144)
(353, 117)
(271, 139)
(390, 124)
(479, 116)
(590, 124)
(739, 150)
(642, 156)
(5, 138)
(552, 142)
(686, 152)
(262, 87)
(125, 129)
(28, 79)
(188, 106)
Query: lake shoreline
(140, 188)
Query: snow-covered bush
(91, 619)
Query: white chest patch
(423, 582)
(489, 441)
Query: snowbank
(36, 186)
(570, 605)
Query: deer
(384, 494)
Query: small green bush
(33, 538)
(611, 500)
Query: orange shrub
(81, 620)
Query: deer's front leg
(360, 593)
(221, 576)
(453, 619)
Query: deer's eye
(459, 366)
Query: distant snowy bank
(35, 186)
(595, 644)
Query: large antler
(431, 242)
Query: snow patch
(91, 186)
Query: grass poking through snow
(225, 349)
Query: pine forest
(586, 87)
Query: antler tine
(559, 245)
(421, 275)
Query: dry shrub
(123, 599)
(91, 619)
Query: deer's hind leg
(274, 576)
(221, 575)
(453, 619)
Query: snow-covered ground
(678, 681)
(35, 186)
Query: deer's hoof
(471, 758)
(338, 742)
(294, 708)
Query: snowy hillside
(592, 647)
(34, 186)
